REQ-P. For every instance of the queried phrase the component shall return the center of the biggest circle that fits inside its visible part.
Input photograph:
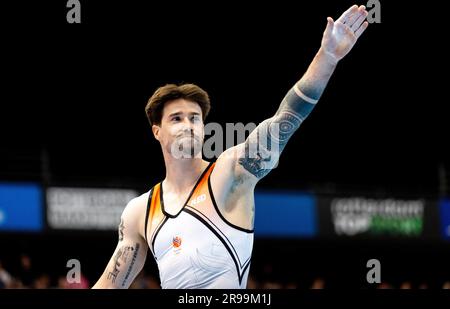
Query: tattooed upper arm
(123, 266)
(263, 147)
(265, 144)
(121, 227)
(130, 253)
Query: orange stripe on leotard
(155, 215)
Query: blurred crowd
(27, 277)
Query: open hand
(340, 36)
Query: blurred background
(367, 176)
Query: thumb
(329, 28)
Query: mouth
(186, 146)
(189, 137)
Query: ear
(155, 130)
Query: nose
(188, 124)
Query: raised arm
(260, 152)
(131, 251)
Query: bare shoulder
(134, 212)
(136, 205)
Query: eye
(195, 118)
(176, 118)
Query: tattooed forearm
(267, 141)
(125, 256)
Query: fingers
(329, 28)
(353, 18)
(361, 17)
(344, 17)
(361, 29)
(356, 14)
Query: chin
(186, 150)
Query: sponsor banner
(361, 216)
(86, 209)
(444, 210)
(285, 215)
(21, 207)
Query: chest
(174, 202)
(189, 234)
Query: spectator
(251, 283)
(42, 282)
(64, 284)
(406, 285)
(26, 272)
(5, 278)
(384, 286)
(318, 283)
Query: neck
(182, 174)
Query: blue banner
(444, 207)
(20, 207)
(285, 214)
